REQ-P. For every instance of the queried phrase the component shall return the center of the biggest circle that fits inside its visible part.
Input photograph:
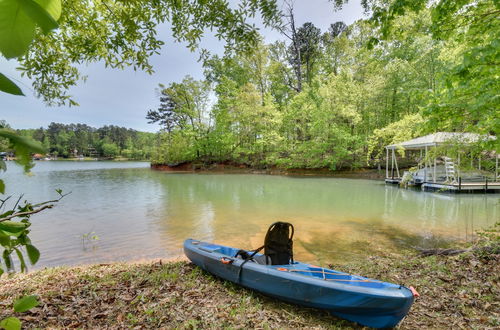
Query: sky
(123, 97)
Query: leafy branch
(45, 206)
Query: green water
(137, 213)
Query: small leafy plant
(14, 230)
(88, 239)
(21, 305)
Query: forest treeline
(74, 140)
(334, 98)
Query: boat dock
(465, 187)
(442, 173)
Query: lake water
(137, 213)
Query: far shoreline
(89, 159)
(227, 168)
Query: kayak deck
(302, 269)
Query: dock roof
(438, 138)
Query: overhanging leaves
(16, 29)
(13, 227)
(23, 147)
(33, 253)
(18, 19)
(8, 86)
(39, 15)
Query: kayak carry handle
(414, 291)
(226, 261)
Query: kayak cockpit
(333, 275)
(302, 269)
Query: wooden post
(459, 184)
(434, 169)
(386, 162)
(392, 163)
(496, 168)
(479, 163)
(425, 165)
(395, 162)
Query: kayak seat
(278, 247)
(262, 259)
(278, 244)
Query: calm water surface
(137, 213)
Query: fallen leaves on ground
(456, 292)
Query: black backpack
(278, 246)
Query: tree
(336, 29)
(308, 39)
(294, 54)
(62, 139)
(4, 143)
(334, 46)
(165, 115)
(467, 100)
(184, 106)
(123, 33)
(110, 150)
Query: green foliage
(467, 97)
(25, 304)
(65, 140)
(175, 147)
(109, 150)
(8, 86)
(405, 129)
(432, 68)
(18, 19)
(14, 231)
(21, 305)
(23, 147)
(18, 22)
(10, 323)
(183, 112)
(14, 234)
(125, 33)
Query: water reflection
(138, 213)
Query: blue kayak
(359, 299)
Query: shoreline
(458, 291)
(88, 159)
(225, 168)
